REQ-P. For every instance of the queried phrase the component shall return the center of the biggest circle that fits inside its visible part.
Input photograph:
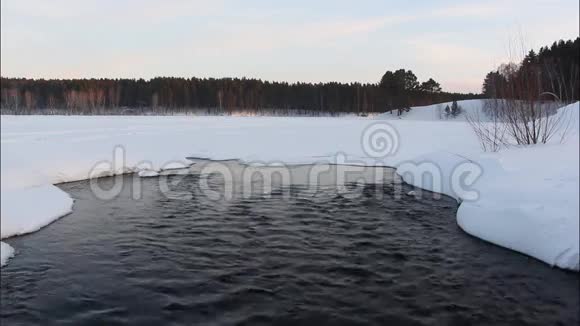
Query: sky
(454, 42)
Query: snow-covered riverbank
(528, 197)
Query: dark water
(328, 260)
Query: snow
(530, 204)
(6, 252)
(148, 173)
(527, 199)
(436, 112)
(527, 196)
(524, 199)
(27, 210)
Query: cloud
(272, 35)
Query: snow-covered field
(528, 197)
(436, 112)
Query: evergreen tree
(556, 68)
(455, 108)
(430, 86)
(397, 90)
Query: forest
(551, 74)
(396, 91)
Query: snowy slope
(527, 196)
(530, 204)
(436, 112)
(515, 209)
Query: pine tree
(397, 90)
(455, 108)
(430, 86)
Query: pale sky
(454, 42)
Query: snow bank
(528, 199)
(29, 209)
(531, 205)
(148, 173)
(6, 252)
(435, 171)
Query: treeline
(551, 74)
(167, 95)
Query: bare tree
(524, 106)
(489, 127)
(530, 113)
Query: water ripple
(275, 260)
